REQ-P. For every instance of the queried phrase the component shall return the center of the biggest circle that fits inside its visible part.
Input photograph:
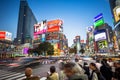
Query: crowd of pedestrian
(100, 70)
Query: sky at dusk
(76, 14)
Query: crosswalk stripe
(22, 75)
(21, 78)
(8, 75)
(5, 74)
(12, 75)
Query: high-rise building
(26, 21)
(115, 10)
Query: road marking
(8, 75)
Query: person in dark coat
(105, 69)
(86, 68)
(116, 75)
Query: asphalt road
(39, 70)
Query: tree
(73, 50)
(46, 47)
(82, 50)
(50, 51)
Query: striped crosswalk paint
(7, 75)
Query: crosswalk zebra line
(7, 75)
(22, 75)
(12, 75)
(21, 78)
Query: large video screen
(40, 28)
(55, 22)
(100, 36)
(102, 46)
(53, 29)
(8, 36)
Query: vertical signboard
(2, 35)
(98, 20)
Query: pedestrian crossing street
(8, 75)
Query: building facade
(26, 20)
(115, 10)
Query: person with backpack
(95, 74)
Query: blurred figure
(106, 70)
(28, 74)
(110, 62)
(62, 75)
(95, 74)
(86, 68)
(73, 73)
(116, 74)
(114, 66)
(98, 64)
(79, 65)
(53, 75)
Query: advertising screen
(55, 22)
(51, 36)
(98, 23)
(8, 36)
(2, 34)
(102, 46)
(116, 12)
(115, 9)
(43, 37)
(25, 50)
(100, 36)
(40, 28)
(53, 29)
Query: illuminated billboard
(2, 35)
(116, 12)
(54, 25)
(102, 46)
(43, 38)
(8, 36)
(100, 35)
(98, 20)
(51, 36)
(5, 35)
(98, 23)
(115, 9)
(25, 50)
(40, 28)
(53, 29)
(55, 22)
